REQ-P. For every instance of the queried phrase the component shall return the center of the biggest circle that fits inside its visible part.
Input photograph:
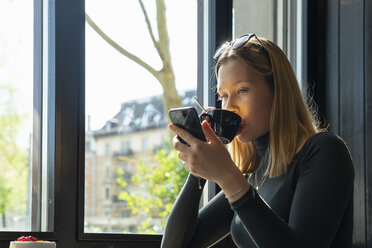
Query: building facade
(132, 135)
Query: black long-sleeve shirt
(310, 206)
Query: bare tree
(165, 75)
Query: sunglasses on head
(238, 43)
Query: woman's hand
(209, 160)
(206, 117)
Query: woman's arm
(182, 220)
(212, 161)
(323, 190)
(189, 227)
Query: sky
(111, 78)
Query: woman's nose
(231, 104)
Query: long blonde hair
(292, 121)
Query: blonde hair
(292, 121)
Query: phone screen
(188, 119)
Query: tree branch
(129, 55)
(163, 32)
(156, 44)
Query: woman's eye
(242, 91)
(221, 97)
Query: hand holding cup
(224, 123)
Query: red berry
(28, 238)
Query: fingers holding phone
(187, 118)
(208, 160)
(182, 136)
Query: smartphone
(188, 119)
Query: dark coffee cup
(224, 123)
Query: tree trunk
(171, 99)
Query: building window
(144, 144)
(107, 193)
(107, 171)
(107, 149)
(125, 213)
(125, 146)
(87, 146)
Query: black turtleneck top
(310, 206)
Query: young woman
(285, 183)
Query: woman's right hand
(209, 160)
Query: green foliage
(154, 188)
(13, 159)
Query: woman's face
(246, 93)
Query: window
(88, 146)
(107, 193)
(125, 147)
(125, 213)
(26, 194)
(107, 171)
(15, 114)
(130, 120)
(283, 22)
(107, 149)
(144, 144)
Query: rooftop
(141, 114)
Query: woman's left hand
(209, 160)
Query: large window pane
(132, 176)
(16, 113)
(283, 22)
(26, 118)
